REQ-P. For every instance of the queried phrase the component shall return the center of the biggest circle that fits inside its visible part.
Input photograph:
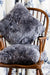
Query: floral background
(5, 7)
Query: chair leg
(10, 70)
(25, 71)
(17, 71)
(37, 72)
(40, 72)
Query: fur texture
(20, 27)
(21, 54)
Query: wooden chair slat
(40, 17)
(33, 13)
(37, 15)
(34, 42)
(37, 42)
(44, 21)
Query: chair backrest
(42, 17)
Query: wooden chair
(40, 41)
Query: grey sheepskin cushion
(19, 26)
(21, 54)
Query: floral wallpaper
(2, 8)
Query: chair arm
(42, 44)
(42, 38)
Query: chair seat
(20, 54)
(33, 66)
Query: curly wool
(20, 54)
(19, 26)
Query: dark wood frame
(38, 65)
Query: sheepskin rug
(19, 26)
